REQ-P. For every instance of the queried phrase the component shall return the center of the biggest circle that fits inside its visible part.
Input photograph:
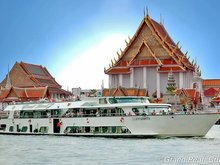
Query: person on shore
(184, 109)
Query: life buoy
(29, 121)
(13, 121)
(87, 120)
(50, 121)
(122, 120)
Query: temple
(31, 78)
(148, 58)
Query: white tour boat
(107, 117)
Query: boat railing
(100, 115)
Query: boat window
(43, 130)
(113, 129)
(11, 129)
(113, 100)
(102, 101)
(3, 127)
(26, 114)
(104, 129)
(136, 111)
(157, 109)
(128, 100)
(125, 130)
(55, 113)
(24, 129)
(87, 129)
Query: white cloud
(87, 69)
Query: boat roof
(75, 104)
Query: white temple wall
(190, 75)
(176, 77)
(163, 82)
(138, 77)
(151, 80)
(126, 80)
(114, 81)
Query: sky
(76, 39)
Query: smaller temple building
(30, 82)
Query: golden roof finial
(129, 38)
(126, 42)
(112, 62)
(121, 51)
(177, 44)
(118, 55)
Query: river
(56, 150)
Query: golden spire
(146, 12)
(161, 20)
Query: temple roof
(24, 75)
(151, 45)
(210, 92)
(121, 91)
(23, 94)
(192, 94)
(211, 82)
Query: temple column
(132, 78)
(120, 80)
(144, 77)
(158, 84)
(180, 80)
(110, 81)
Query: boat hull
(136, 126)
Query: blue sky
(75, 39)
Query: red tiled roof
(211, 82)
(216, 99)
(144, 62)
(4, 93)
(24, 93)
(39, 74)
(211, 92)
(124, 92)
(173, 68)
(190, 93)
